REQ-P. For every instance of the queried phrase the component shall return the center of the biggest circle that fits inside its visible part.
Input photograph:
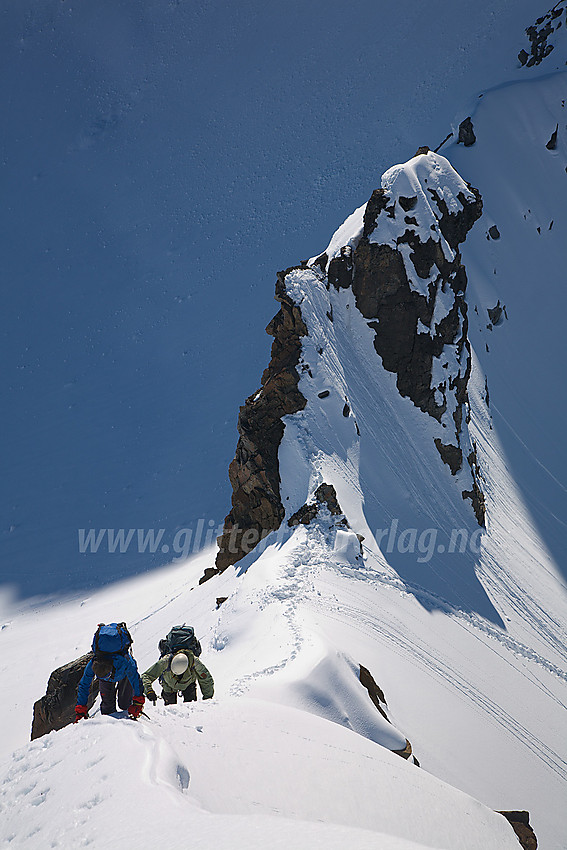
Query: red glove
(81, 713)
(136, 708)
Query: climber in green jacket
(178, 672)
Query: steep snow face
(515, 259)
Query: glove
(151, 695)
(81, 713)
(136, 708)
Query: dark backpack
(180, 637)
(111, 639)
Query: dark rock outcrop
(520, 822)
(407, 204)
(376, 694)
(340, 269)
(496, 314)
(57, 708)
(466, 133)
(326, 495)
(254, 473)
(552, 143)
(475, 494)
(451, 455)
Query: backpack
(111, 639)
(180, 637)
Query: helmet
(179, 664)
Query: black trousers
(108, 692)
(189, 694)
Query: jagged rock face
(57, 708)
(254, 473)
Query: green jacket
(196, 672)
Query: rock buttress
(254, 473)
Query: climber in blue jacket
(117, 675)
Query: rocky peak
(399, 255)
(409, 283)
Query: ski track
(543, 625)
(290, 587)
(396, 634)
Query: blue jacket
(124, 666)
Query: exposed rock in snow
(325, 494)
(466, 133)
(541, 43)
(552, 143)
(520, 822)
(56, 708)
(254, 473)
(376, 694)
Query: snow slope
(238, 771)
(523, 356)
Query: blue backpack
(111, 639)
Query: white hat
(179, 664)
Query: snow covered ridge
(397, 259)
